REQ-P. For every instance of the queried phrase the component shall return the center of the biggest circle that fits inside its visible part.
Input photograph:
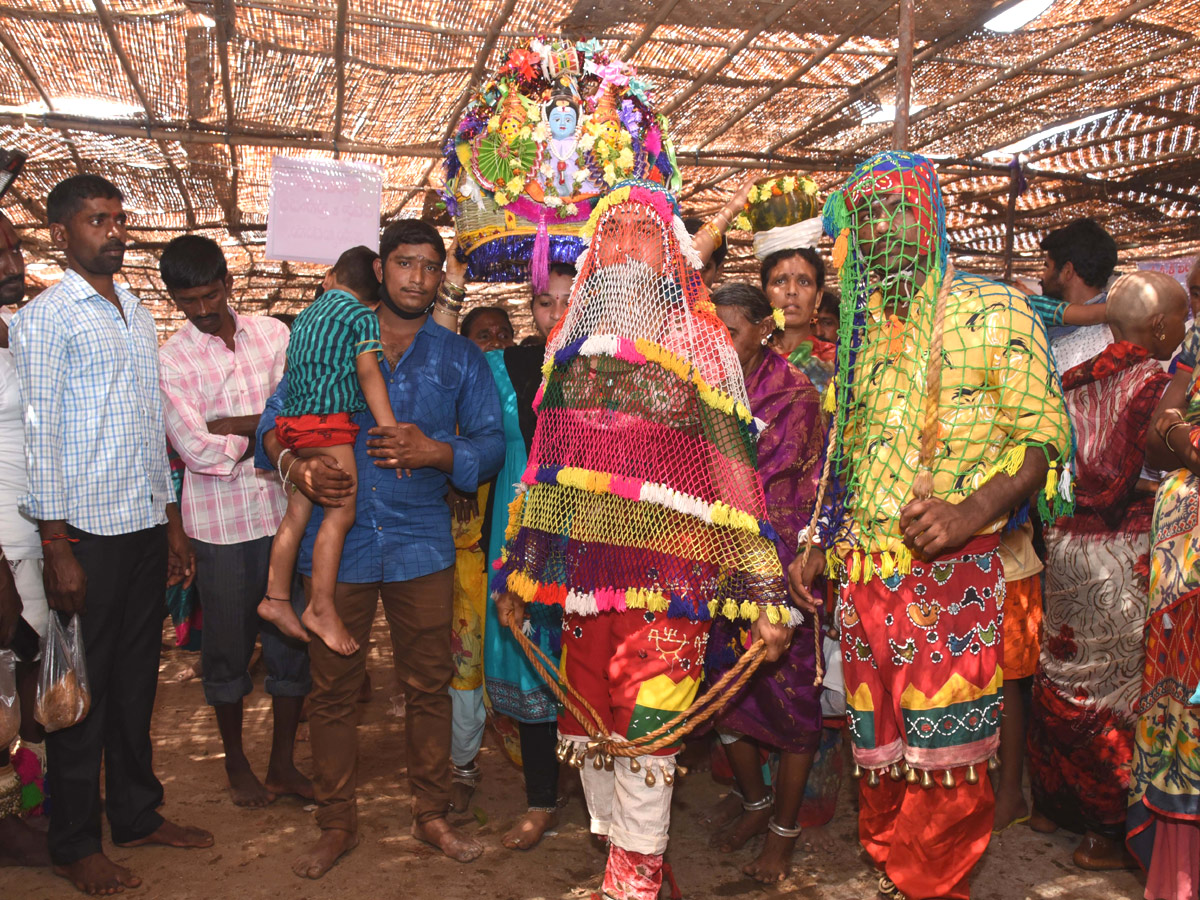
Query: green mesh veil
(943, 378)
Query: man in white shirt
(216, 374)
(1080, 258)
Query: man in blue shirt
(400, 547)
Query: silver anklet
(469, 776)
(757, 805)
(778, 829)
(543, 809)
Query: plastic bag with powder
(63, 696)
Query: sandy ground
(255, 848)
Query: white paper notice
(1176, 268)
(320, 208)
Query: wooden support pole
(904, 74)
(1012, 72)
(339, 65)
(1010, 217)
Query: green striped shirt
(326, 340)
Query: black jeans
(122, 637)
(540, 764)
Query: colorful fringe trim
(646, 491)
(591, 603)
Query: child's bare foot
(330, 628)
(279, 613)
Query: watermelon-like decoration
(497, 161)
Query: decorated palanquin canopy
(642, 489)
(557, 126)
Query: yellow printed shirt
(999, 396)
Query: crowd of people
(957, 519)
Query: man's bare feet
(1040, 823)
(245, 789)
(21, 845)
(329, 628)
(283, 780)
(1097, 853)
(97, 874)
(1011, 809)
(774, 863)
(280, 614)
(168, 834)
(324, 852)
(528, 831)
(747, 826)
(723, 811)
(448, 839)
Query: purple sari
(780, 707)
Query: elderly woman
(1086, 685)
(781, 708)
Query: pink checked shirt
(224, 501)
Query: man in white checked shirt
(95, 450)
(216, 375)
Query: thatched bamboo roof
(183, 102)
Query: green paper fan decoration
(496, 161)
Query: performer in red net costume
(642, 514)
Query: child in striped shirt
(332, 372)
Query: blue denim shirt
(442, 384)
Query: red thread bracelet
(59, 537)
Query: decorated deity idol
(560, 166)
(555, 128)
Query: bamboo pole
(904, 74)
(991, 81)
(1010, 218)
(339, 65)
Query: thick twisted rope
(822, 488)
(704, 708)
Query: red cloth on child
(310, 431)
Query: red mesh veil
(642, 490)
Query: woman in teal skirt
(514, 688)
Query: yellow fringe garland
(829, 402)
